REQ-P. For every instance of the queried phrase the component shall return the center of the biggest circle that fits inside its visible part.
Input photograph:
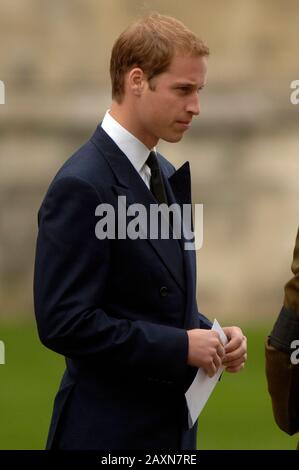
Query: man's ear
(136, 81)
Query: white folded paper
(202, 386)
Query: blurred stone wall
(243, 149)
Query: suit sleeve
(282, 375)
(283, 386)
(286, 328)
(71, 273)
(291, 299)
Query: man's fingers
(236, 362)
(235, 343)
(211, 370)
(213, 366)
(217, 361)
(220, 351)
(234, 356)
(235, 369)
(235, 349)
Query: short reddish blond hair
(150, 44)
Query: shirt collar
(132, 147)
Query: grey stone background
(243, 149)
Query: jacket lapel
(131, 185)
(179, 187)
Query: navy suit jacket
(117, 309)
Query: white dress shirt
(133, 148)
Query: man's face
(166, 111)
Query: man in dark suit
(122, 310)
(282, 356)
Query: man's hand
(205, 350)
(235, 349)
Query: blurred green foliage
(29, 380)
(237, 416)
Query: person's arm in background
(282, 375)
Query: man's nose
(193, 105)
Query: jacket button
(163, 291)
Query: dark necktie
(156, 183)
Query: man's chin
(173, 138)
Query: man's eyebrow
(189, 85)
